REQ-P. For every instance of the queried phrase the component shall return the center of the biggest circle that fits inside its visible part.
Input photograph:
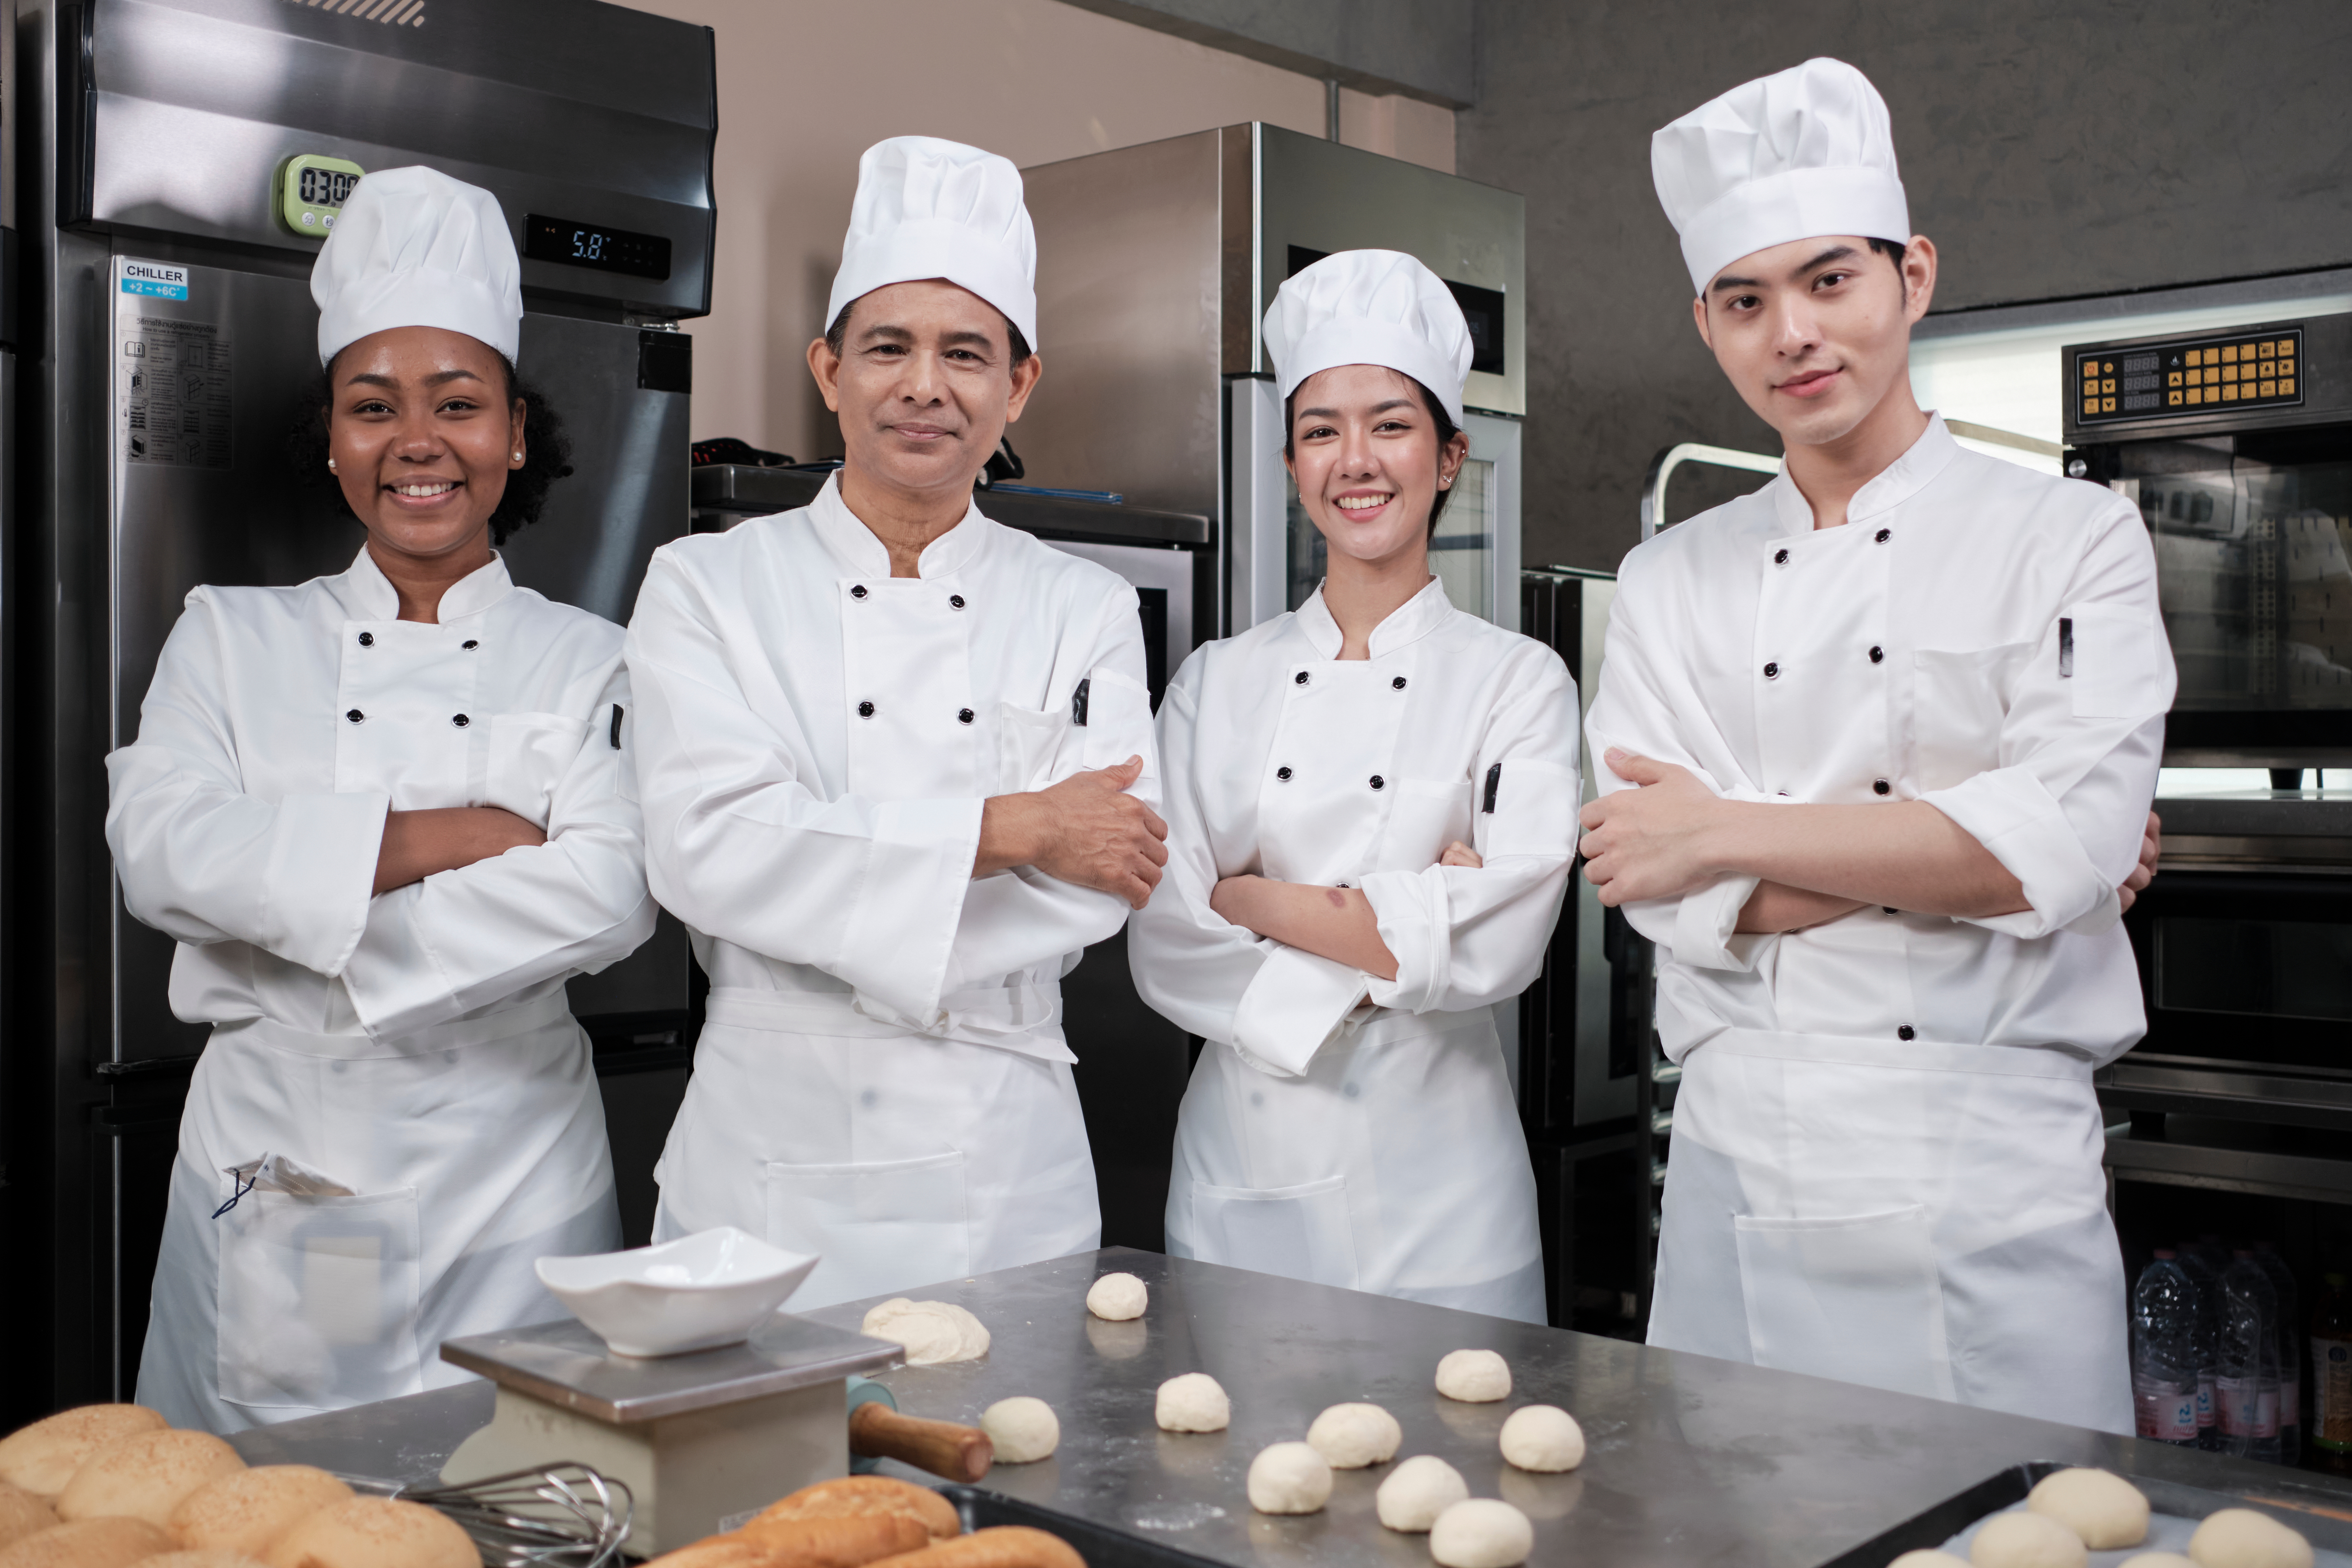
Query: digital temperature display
(605, 248)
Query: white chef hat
(1370, 306)
(927, 208)
(1804, 152)
(414, 248)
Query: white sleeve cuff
(2020, 822)
(1706, 926)
(1295, 1002)
(320, 880)
(1415, 920)
(896, 940)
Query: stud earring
(517, 457)
(331, 465)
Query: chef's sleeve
(1276, 1005)
(1465, 937)
(2080, 743)
(463, 939)
(202, 860)
(741, 848)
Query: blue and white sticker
(153, 280)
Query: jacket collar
(1408, 622)
(368, 594)
(1901, 480)
(859, 548)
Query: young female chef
(1370, 815)
(378, 811)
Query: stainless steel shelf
(2260, 1171)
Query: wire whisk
(558, 1515)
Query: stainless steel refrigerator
(183, 160)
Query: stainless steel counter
(1691, 1460)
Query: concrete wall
(804, 86)
(1424, 47)
(2050, 147)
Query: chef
(895, 764)
(1370, 806)
(1878, 742)
(382, 814)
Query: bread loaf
(854, 1497)
(374, 1532)
(730, 1551)
(246, 1511)
(836, 1542)
(202, 1557)
(88, 1543)
(22, 1514)
(1001, 1546)
(146, 1476)
(43, 1457)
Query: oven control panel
(2191, 378)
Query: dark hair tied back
(1442, 421)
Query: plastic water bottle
(2209, 1347)
(2290, 1352)
(2164, 1354)
(2248, 1387)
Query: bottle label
(2249, 1407)
(2164, 1411)
(2206, 1413)
(2331, 1394)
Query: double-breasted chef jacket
(882, 1078)
(1886, 1164)
(1342, 1127)
(413, 1050)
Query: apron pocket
(1298, 1233)
(318, 1300)
(877, 1228)
(1855, 1298)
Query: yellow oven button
(2090, 405)
(2269, 350)
(2196, 397)
(2286, 366)
(2211, 375)
(2107, 406)
(2268, 388)
(2108, 384)
(2172, 379)
(2172, 399)
(2196, 357)
(2229, 393)
(2229, 353)
(2287, 386)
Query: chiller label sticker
(154, 279)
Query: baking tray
(1101, 1546)
(2325, 1518)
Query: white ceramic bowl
(698, 1292)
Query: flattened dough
(932, 1332)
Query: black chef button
(367, 639)
(1379, 783)
(459, 719)
(963, 715)
(1300, 678)
(469, 645)
(1398, 684)
(1771, 672)
(1877, 655)
(955, 601)
(1882, 535)
(1779, 558)
(865, 710)
(1905, 1032)
(857, 591)
(1880, 786)
(1888, 908)
(355, 716)
(1282, 774)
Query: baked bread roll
(374, 1532)
(88, 1543)
(1000, 1546)
(853, 1496)
(43, 1457)
(202, 1557)
(836, 1542)
(22, 1514)
(146, 1476)
(245, 1511)
(729, 1550)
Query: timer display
(594, 245)
(311, 188)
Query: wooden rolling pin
(942, 1447)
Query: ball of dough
(246, 1511)
(2241, 1538)
(1476, 1377)
(1480, 1532)
(2106, 1510)
(1289, 1478)
(146, 1475)
(375, 1532)
(1543, 1437)
(1417, 1491)
(43, 1457)
(1118, 1297)
(2026, 1540)
(1929, 1557)
(932, 1332)
(1024, 1429)
(1350, 1436)
(1192, 1403)
(22, 1514)
(2157, 1560)
(88, 1543)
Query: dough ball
(1118, 1297)
(43, 1457)
(1024, 1429)
(1543, 1437)
(1350, 1436)
(22, 1514)
(244, 1511)
(1480, 1532)
(2026, 1540)
(931, 1332)
(1929, 1557)
(1192, 1403)
(854, 1497)
(375, 1532)
(2241, 1538)
(1417, 1491)
(1478, 1377)
(1289, 1478)
(88, 1543)
(146, 1475)
(2106, 1510)
(2157, 1560)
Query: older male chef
(895, 762)
(1894, 721)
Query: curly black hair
(547, 452)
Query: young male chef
(1877, 744)
(895, 766)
